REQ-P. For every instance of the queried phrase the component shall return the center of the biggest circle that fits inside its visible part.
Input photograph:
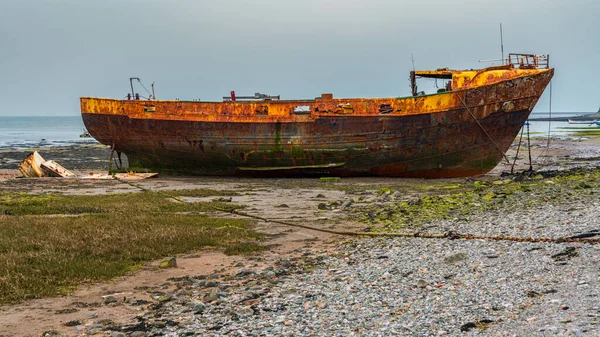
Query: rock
(245, 311)
(583, 184)
(566, 254)
(212, 296)
(320, 196)
(198, 308)
(170, 263)
(222, 199)
(421, 284)
(52, 333)
(117, 334)
(110, 299)
(138, 334)
(489, 196)
(347, 204)
(211, 283)
(94, 329)
(66, 311)
(244, 272)
(137, 302)
(468, 326)
(454, 258)
(74, 323)
(93, 315)
(564, 307)
(106, 322)
(532, 319)
(321, 304)
(322, 206)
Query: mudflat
(267, 278)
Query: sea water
(36, 132)
(556, 128)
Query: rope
(142, 84)
(529, 149)
(512, 169)
(448, 235)
(481, 126)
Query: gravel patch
(405, 287)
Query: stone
(170, 263)
(138, 334)
(106, 322)
(110, 299)
(73, 323)
(212, 296)
(421, 284)
(321, 304)
(52, 333)
(67, 311)
(198, 308)
(455, 258)
(468, 326)
(211, 283)
(245, 311)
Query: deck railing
(529, 61)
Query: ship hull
(466, 138)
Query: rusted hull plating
(430, 136)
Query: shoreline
(585, 117)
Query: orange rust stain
(287, 110)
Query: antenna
(413, 60)
(501, 43)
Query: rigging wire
(142, 84)
(543, 153)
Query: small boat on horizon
(571, 121)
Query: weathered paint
(422, 136)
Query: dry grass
(51, 244)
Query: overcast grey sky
(53, 52)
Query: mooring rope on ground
(447, 235)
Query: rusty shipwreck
(464, 129)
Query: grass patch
(51, 244)
(586, 133)
(134, 202)
(474, 199)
